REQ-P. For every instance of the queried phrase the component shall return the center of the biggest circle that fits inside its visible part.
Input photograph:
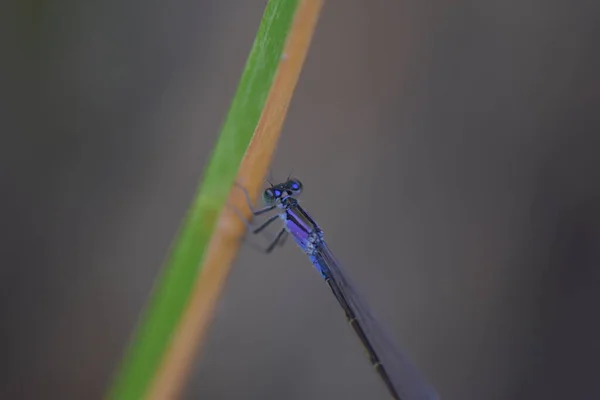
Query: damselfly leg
(282, 235)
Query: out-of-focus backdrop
(448, 149)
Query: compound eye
(295, 186)
(269, 196)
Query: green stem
(174, 287)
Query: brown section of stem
(182, 351)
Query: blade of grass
(160, 355)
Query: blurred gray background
(448, 149)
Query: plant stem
(162, 351)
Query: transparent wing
(403, 377)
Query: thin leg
(277, 239)
(284, 238)
(265, 224)
(255, 212)
(281, 236)
(263, 210)
(249, 226)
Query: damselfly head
(275, 193)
